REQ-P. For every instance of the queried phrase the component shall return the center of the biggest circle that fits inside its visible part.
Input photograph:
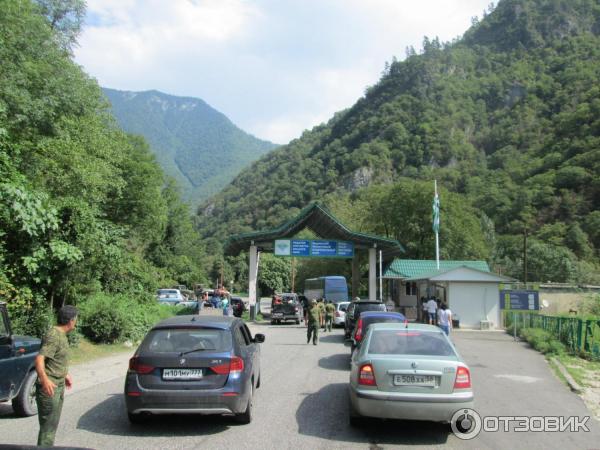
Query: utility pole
(293, 274)
(525, 257)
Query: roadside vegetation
(87, 216)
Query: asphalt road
(302, 403)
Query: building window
(411, 288)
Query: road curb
(573, 385)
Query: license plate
(414, 380)
(182, 374)
(277, 314)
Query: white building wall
(474, 302)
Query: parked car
(194, 365)
(17, 367)
(238, 306)
(370, 317)
(339, 319)
(411, 373)
(169, 296)
(354, 310)
(286, 307)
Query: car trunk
(284, 309)
(415, 374)
(192, 371)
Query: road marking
(519, 378)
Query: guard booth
(335, 240)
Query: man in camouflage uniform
(321, 306)
(52, 367)
(329, 312)
(314, 320)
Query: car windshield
(409, 342)
(183, 340)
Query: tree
(65, 17)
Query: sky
(274, 67)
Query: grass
(88, 351)
(580, 369)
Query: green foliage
(274, 274)
(196, 145)
(108, 319)
(507, 117)
(542, 341)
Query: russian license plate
(414, 380)
(182, 374)
(277, 314)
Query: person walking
(314, 319)
(321, 305)
(431, 309)
(445, 319)
(52, 367)
(329, 312)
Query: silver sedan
(408, 371)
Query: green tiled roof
(411, 268)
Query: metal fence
(581, 336)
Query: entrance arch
(324, 225)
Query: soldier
(329, 312)
(52, 367)
(321, 306)
(314, 318)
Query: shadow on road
(110, 418)
(341, 361)
(326, 337)
(324, 414)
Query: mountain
(195, 144)
(506, 117)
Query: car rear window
(168, 292)
(372, 320)
(370, 307)
(183, 340)
(343, 307)
(409, 342)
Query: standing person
(445, 319)
(321, 306)
(314, 319)
(329, 312)
(431, 309)
(52, 367)
(225, 305)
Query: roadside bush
(542, 341)
(29, 313)
(115, 318)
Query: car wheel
(272, 322)
(24, 404)
(297, 321)
(246, 417)
(136, 419)
(353, 417)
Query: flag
(436, 213)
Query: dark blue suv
(194, 365)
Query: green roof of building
(411, 268)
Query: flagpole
(437, 239)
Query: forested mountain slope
(507, 118)
(194, 143)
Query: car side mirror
(259, 338)
(5, 339)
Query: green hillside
(194, 143)
(507, 118)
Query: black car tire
(136, 419)
(24, 404)
(353, 417)
(246, 417)
(273, 322)
(297, 321)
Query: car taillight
(358, 333)
(296, 309)
(137, 367)
(463, 378)
(366, 375)
(235, 365)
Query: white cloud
(275, 68)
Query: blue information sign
(300, 247)
(346, 249)
(520, 300)
(323, 248)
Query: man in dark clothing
(52, 367)
(314, 320)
